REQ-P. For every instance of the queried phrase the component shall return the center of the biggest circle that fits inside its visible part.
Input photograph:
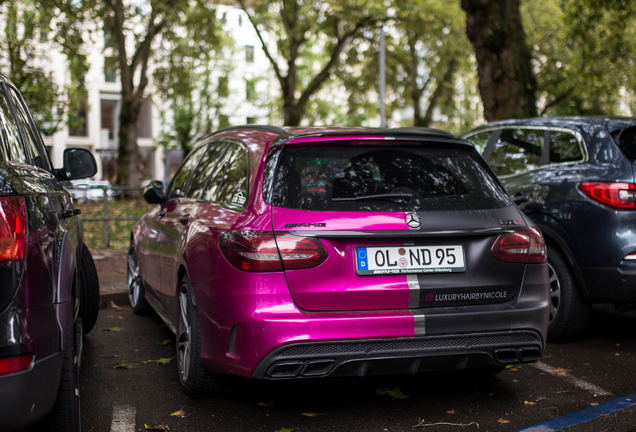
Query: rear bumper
(403, 355)
(27, 396)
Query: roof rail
(267, 128)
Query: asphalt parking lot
(584, 385)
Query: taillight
(258, 251)
(523, 246)
(617, 195)
(11, 365)
(13, 228)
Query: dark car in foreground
(49, 293)
(574, 177)
(291, 253)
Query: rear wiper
(386, 196)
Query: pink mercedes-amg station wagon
(288, 253)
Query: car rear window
(357, 178)
(626, 141)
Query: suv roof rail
(267, 128)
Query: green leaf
(111, 329)
(164, 343)
(163, 360)
(396, 393)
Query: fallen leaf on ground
(529, 403)
(125, 365)
(312, 414)
(540, 398)
(285, 430)
(396, 393)
(111, 329)
(452, 411)
(563, 370)
(181, 413)
(265, 403)
(120, 317)
(164, 343)
(117, 308)
(564, 391)
(502, 421)
(594, 403)
(163, 360)
(157, 427)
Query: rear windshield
(626, 141)
(384, 179)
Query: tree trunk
(128, 155)
(506, 81)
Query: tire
(88, 291)
(136, 293)
(195, 379)
(65, 415)
(569, 312)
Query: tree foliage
(300, 29)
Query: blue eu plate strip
(363, 263)
(582, 416)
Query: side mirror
(79, 163)
(153, 193)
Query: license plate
(409, 259)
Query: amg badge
(307, 225)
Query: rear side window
(564, 147)
(516, 151)
(480, 140)
(626, 140)
(180, 182)
(209, 164)
(372, 179)
(233, 190)
(31, 140)
(10, 133)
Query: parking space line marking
(123, 418)
(589, 387)
(583, 416)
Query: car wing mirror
(153, 193)
(79, 163)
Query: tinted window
(10, 133)
(564, 147)
(233, 191)
(214, 184)
(31, 140)
(209, 163)
(626, 140)
(480, 140)
(331, 178)
(180, 181)
(516, 151)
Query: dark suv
(48, 282)
(575, 178)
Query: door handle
(64, 214)
(184, 219)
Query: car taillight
(19, 363)
(523, 246)
(260, 251)
(617, 195)
(13, 228)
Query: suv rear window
(346, 178)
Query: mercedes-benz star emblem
(412, 220)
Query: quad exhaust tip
(516, 355)
(308, 368)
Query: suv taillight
(260, 251)
(617, 195)
(523, 246)
(11, 365)
(13, 228)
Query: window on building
(224, 17)
(44, 31)
(78, 125)
(249, 54)
(110, 69)
(250, 90)
(240, 19)
(250, 120)
(144, 121)
(224, 88)
(108, 40)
